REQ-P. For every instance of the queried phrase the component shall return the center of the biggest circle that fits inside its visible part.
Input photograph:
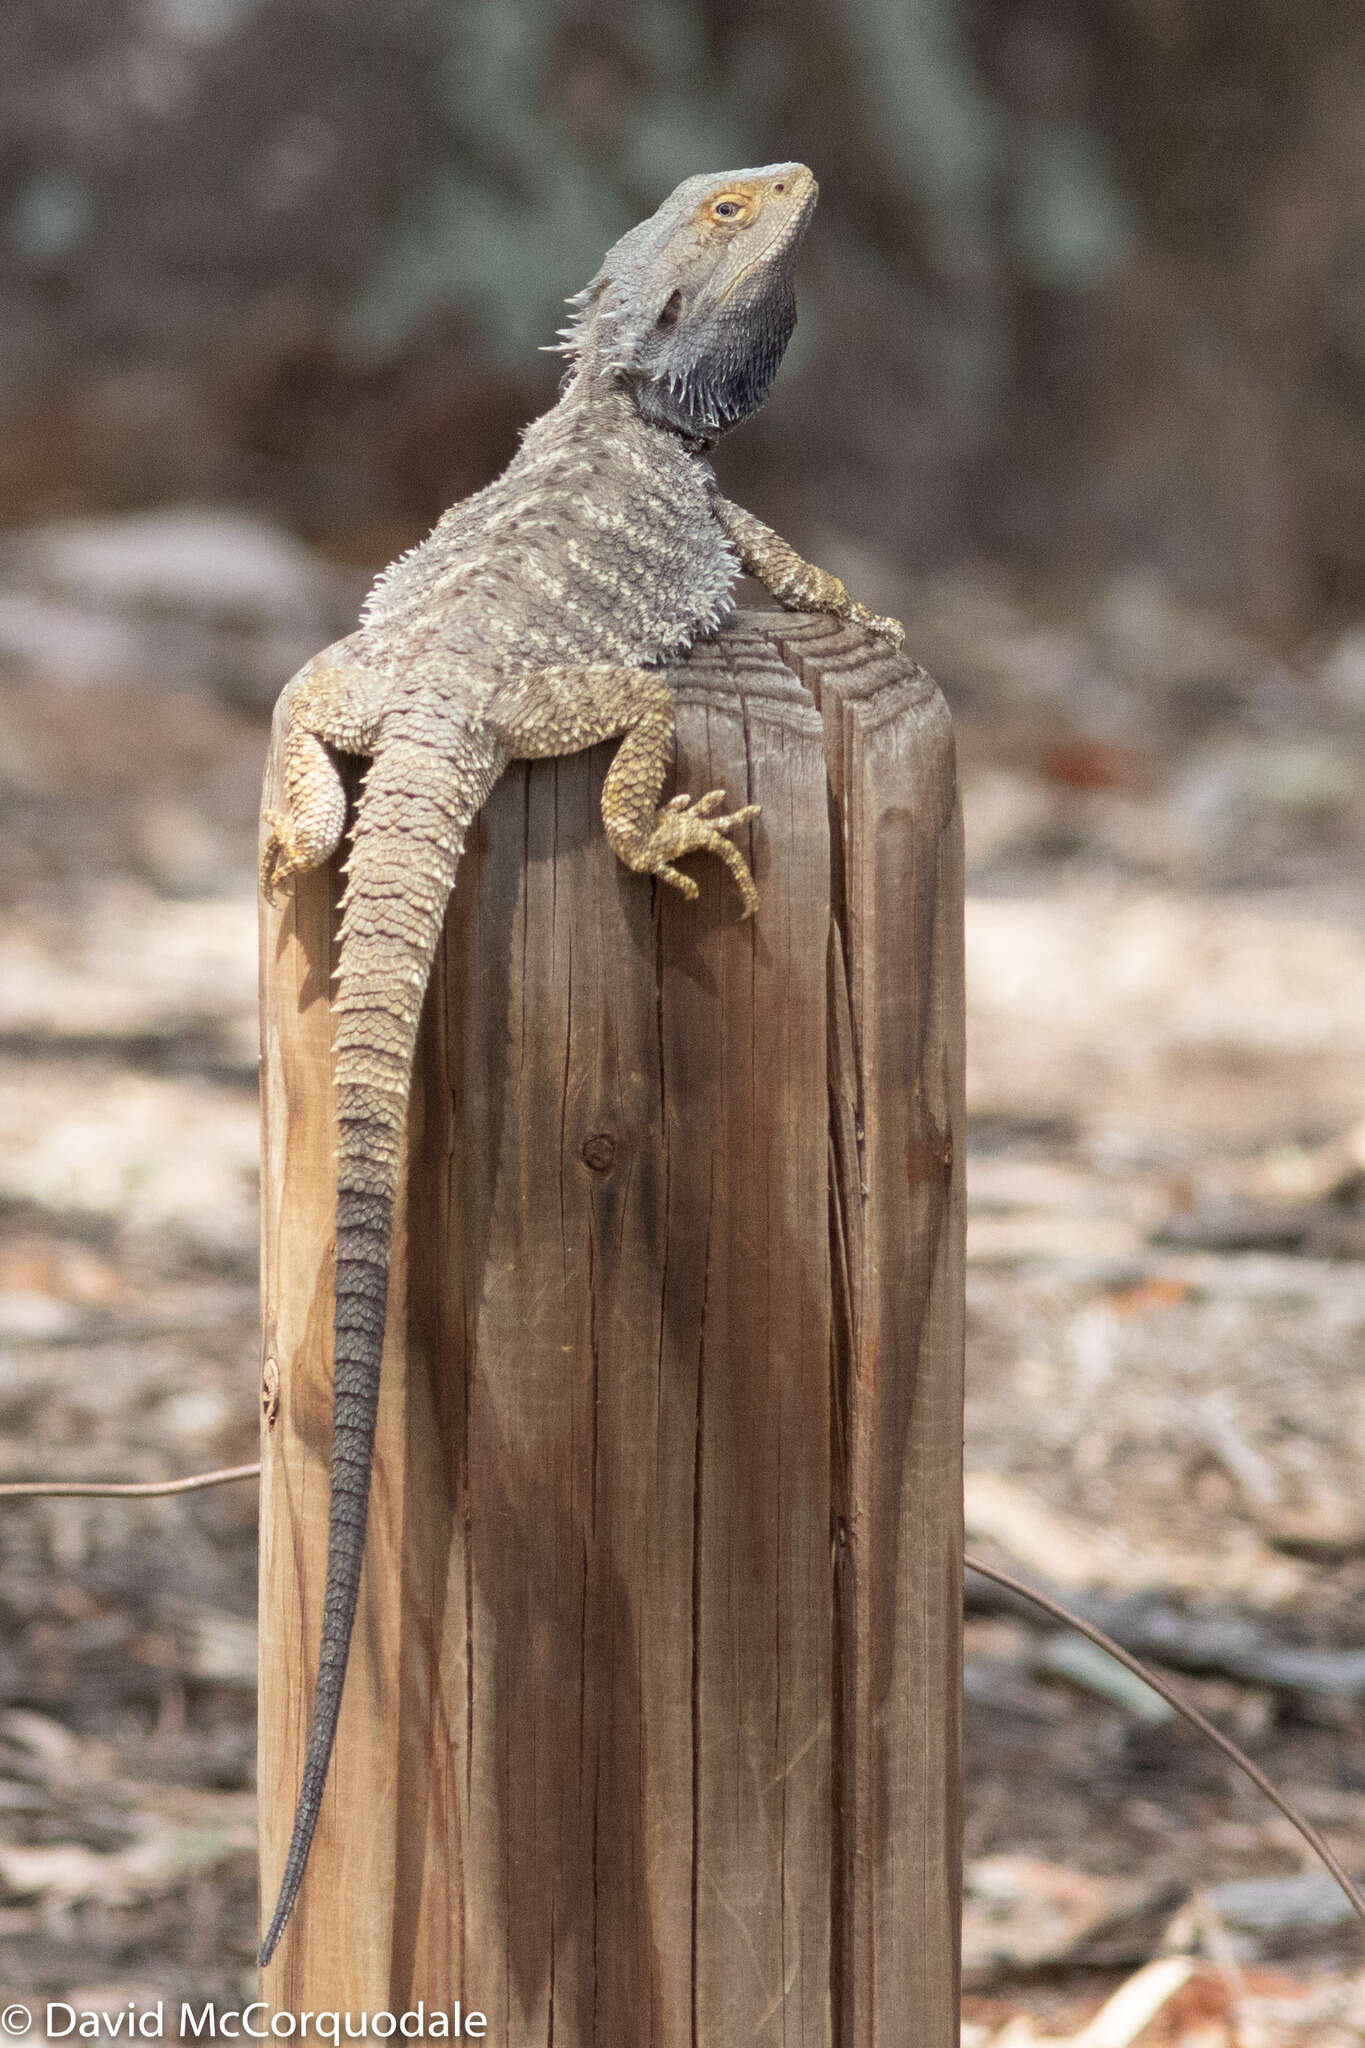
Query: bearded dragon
(531, 622)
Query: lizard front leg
(562, 710)
(332, 702)
(793, 581)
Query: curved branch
(123, 1489)
(1192, 1714)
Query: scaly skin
(530, 623)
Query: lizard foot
(686, 825)
(280, 859)
(890, 630)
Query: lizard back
(595, 544)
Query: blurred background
(1077, 392)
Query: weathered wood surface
(651, 1728)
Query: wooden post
(651, 1729)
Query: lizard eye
(729, 209)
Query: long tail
(420, 798)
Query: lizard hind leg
(329, 704)
(308, 831)
(562, 710)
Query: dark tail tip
(284, 1906)
(320, 1737)
(361, 1295)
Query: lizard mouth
(786, 240)
(760, 261)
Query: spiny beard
(720, 375)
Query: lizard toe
(739, 868)
(279, 858)
(676, 879)
(888, 629)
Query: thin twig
(144, 1489)
(1191, 1714)
(124, 1489)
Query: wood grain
(650, 1732)
(897, 1179)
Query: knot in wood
(270, 1391)
(599, 1152)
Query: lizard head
(692, 310)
